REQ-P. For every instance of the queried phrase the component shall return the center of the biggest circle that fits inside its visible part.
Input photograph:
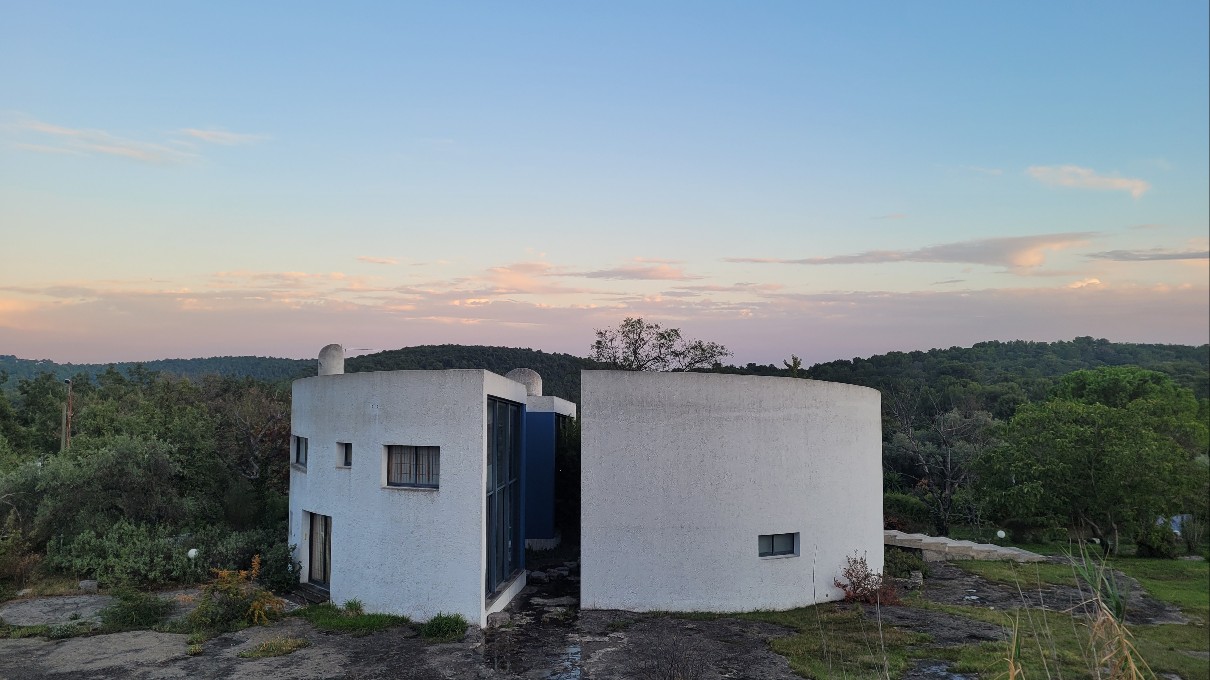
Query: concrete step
(311, 594)
(939, 548)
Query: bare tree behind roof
(636, 345)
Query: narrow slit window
(345, 449)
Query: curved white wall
(682, 472)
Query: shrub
(444, 628)
(900, 562)
(127, 554)
(233, 600)
(134, 611)
(904, 512)
(1157, 541)
(863, 585)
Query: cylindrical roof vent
(528, 377)
(332, 360)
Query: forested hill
(560, 372)
(1005, 373)
(269, 369)
(1008, 373)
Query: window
(773, 545)
(300, 450)
(417, 466)
(345, 454)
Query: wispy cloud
(948, 282)
(59, 139)
(377, 260)
(1020, 254)
(223, 137)
(1150, 255)
(1086, 178)
(42, 137)
(640, 272)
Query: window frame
(299, 446)
(415, 452)
(344, 455)
(773, 552)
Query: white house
(415, 491)
(708, 492)
(406, 487)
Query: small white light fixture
(1000, 534)
(192, 554)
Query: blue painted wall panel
(539, 489)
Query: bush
(905, 512)
(233, 600)
(901, 562)
(863, 585)
(444, 628)
(126, 555)
(1157, 541)
(134, 611)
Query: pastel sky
(826, 179)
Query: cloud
(641, 272)
(42, 137)
(1085, 178)
(377, 260)
(947, 282)
(222, 137)
(1149, 255)
(1019, 254)
(1085, 283)
(59, 139)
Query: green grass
(841, 641)
(444, 628)
(276, 647)
(329, 617)
(1025, 575)
(134, 611)
(1183, 583)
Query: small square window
(774, 545)
(345, 451)
(414, 466)
(300, 450)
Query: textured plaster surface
(682, 472)
(416, 552)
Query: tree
(941, 449)
(636, 345)
(1111, 451)
(794, 365)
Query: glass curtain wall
(503, 492)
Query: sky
(829, 180)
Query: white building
(708, 492)
(406, 487)
(412, 491)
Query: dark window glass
(346, 454)
(769, 545)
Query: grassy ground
(329, 617)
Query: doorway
(320, 563)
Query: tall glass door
(503, 492)
(320, 571)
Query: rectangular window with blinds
(414, 466)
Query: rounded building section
(708, 492)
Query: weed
(233, 600)
(134, 611)
(329, 617)
(354, 607)
(444, 628)
(618, 625)
(18, 632)
(276, 647)
(194, 649)
(863, 585)
(63, 631)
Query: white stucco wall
(416, 552)
(682, 472)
